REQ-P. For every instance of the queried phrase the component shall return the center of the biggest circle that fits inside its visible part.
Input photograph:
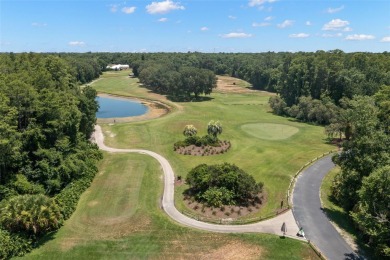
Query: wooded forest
(46, 158)
(47, 119)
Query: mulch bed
(226, 211)
(205, 150)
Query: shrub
(32, 214)
(13, 245)
(6, 192)
(217, 197)
(68, 198)
(222, 184)
(23, 186)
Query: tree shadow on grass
(46, 238)
(176, 98)
(342, 220)
(189, 99)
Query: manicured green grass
(269, 131)
(271, 161)
(119, 217)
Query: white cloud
(328, 35)
(128, 10)
(386, 39)
(204, 28)
(162, 20)
(77, 43)
(268, 18)
(347, 29)
(232, 17)
(308, 23)
(114, 8)
(260, 24)
(236, 35)
(359, 37)
(39, 24)
(285, 24)
(253, 3)
(335, 24)
(334, 10)
(163, 7)
(299, 35)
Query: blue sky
(194, 25)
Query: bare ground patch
(227, 84)
(235, 250)
(210, 246)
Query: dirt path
(271, 226)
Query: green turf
(271, 161)
(269, 131)
(119, 217)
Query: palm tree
(34, 214)
(214, 128)
(190, 130)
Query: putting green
(269, 131)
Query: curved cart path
(308, 213)
(271, 226)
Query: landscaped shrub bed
(206, 145)
(223, 189)
(202, 146)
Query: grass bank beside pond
(269, 147)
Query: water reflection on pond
(115, 107)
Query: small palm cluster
(214, 128)
(190, 130)
(33, 214)
(202, 145)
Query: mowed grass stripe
(273, 162)
(270, 131)
(148, 233)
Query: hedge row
(68, 198)
(12, 245)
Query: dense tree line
(177, 82)
(333, 74)
(363, 185)
(46, 121)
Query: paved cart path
(308, 213)
(271, 226)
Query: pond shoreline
(156, 109)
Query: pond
(115, 107)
